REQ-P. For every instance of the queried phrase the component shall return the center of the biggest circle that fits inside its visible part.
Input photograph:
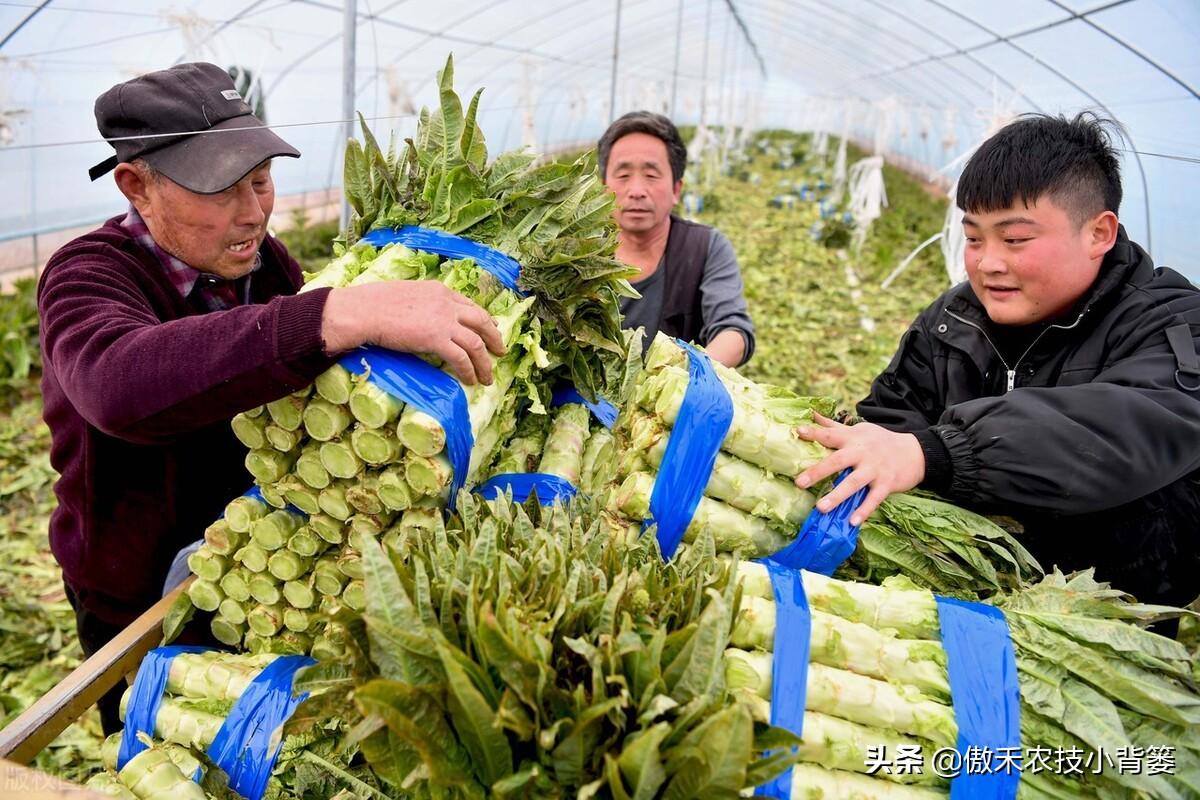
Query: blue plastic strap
(789, 664)
(983, 687)
(427, 388)
(148, 688)
(505, 268)
(604, 411)
(549, 487)
(826, 538)
(242, 746)
(692, 446)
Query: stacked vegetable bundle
(524, 652)
(344, 461)
(569, 444)
(751, 505)
(877, 678)
(201, 689)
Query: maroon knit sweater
(139, 386)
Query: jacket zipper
(1011, 373)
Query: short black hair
(653, 124)
(1072, 161)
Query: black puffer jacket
(1090, 436)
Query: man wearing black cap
(159, 326)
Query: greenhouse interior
(618, 400)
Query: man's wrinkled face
(1030, 264)
(216, 233)
(639, 174)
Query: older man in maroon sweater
(170, 318)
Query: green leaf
(724, 743)
(1131, 685)
(641, 762)
(393, 624)
(475, 722)
(574, 756)
(451, 113)
(416, 723)
(1150, 650)
(699, 669)
(177, 617)
(474, 151)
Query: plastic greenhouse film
(692, 447)
(427, 388)
(549, 488)
(983, 688)
(243, 746)
(604, 411)
(789, 669)
(827, 538)
(148, 688)
(506, 269)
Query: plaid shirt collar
(215, 293)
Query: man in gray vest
(688, 276)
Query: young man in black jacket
(1059, 385)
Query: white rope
(868, 196)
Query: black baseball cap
(220, 140)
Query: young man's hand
(414, 317)
(888, 462)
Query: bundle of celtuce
(751, 504)
(527, 653)
(555, 219)
(200, 691)
(568, 443)
(1090, 678)
(361, 464)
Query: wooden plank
(28, 734)
(21, 782)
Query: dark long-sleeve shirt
(139, 385)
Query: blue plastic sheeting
(983, 687)
(505, 268)
(692, 447)
(827, 538)
(789, 664)
(522, 484)
(604, 411)
(427, 388)
(148, 689)
(243, 745)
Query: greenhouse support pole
(704, 67)
(349, 50)
(675, 72)
(612, 90)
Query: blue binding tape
(700, 427)
(505, 268)
(827, 538)
(789, 663)
(604, 411)
(148, 688)
(549, 488)
(982, 669)
(427, 388)
(243, 745)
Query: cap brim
(211, 162)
